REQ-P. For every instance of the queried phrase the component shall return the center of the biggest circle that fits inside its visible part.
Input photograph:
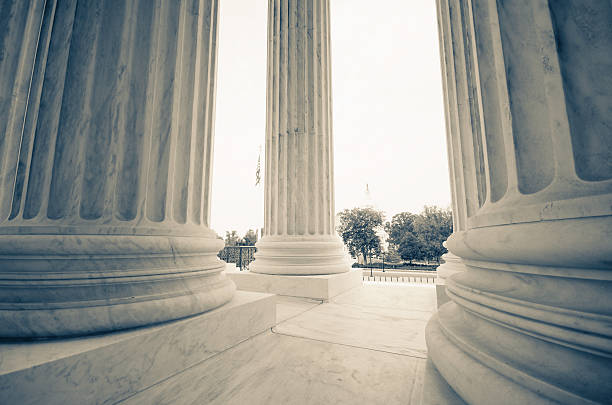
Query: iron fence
(400, 277)
(241, 255)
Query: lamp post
(384, 245)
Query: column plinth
(105, 166)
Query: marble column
(105, 165)
(452, 263)
(529, 321)
(299, 231)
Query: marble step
(104, 369)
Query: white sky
(387, 105)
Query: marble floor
(365, 346)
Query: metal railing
(400, 277)
(241, 255)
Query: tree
(433, 226)
(250, 238)
(232, 238)
(358, 230)
(392, 255)
(403, 236)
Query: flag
(258, 170)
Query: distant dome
(368, 202)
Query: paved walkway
(366, 346)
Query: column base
(59, 284)
(463, 370)
(441, 296)
(300, 255)
(111, 367)
(436, 390)
(322, 287)
(452, 264)
(485, 362)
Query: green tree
(232, 238)
(433, 226)
(250, 238)
(403, 236)
(358, 230)
(393, 255)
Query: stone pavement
(366, 346)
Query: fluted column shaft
(299, 231)
(452, 263)
(105, 165)
(529, 320)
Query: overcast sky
(388, 109)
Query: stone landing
(366, 346)
(108, 368)
(320, 287)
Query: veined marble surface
(277, 369)
(289, 307)
(387, 330)
(415, 297)
(389, 319)
(273, 368)
(107, 368)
